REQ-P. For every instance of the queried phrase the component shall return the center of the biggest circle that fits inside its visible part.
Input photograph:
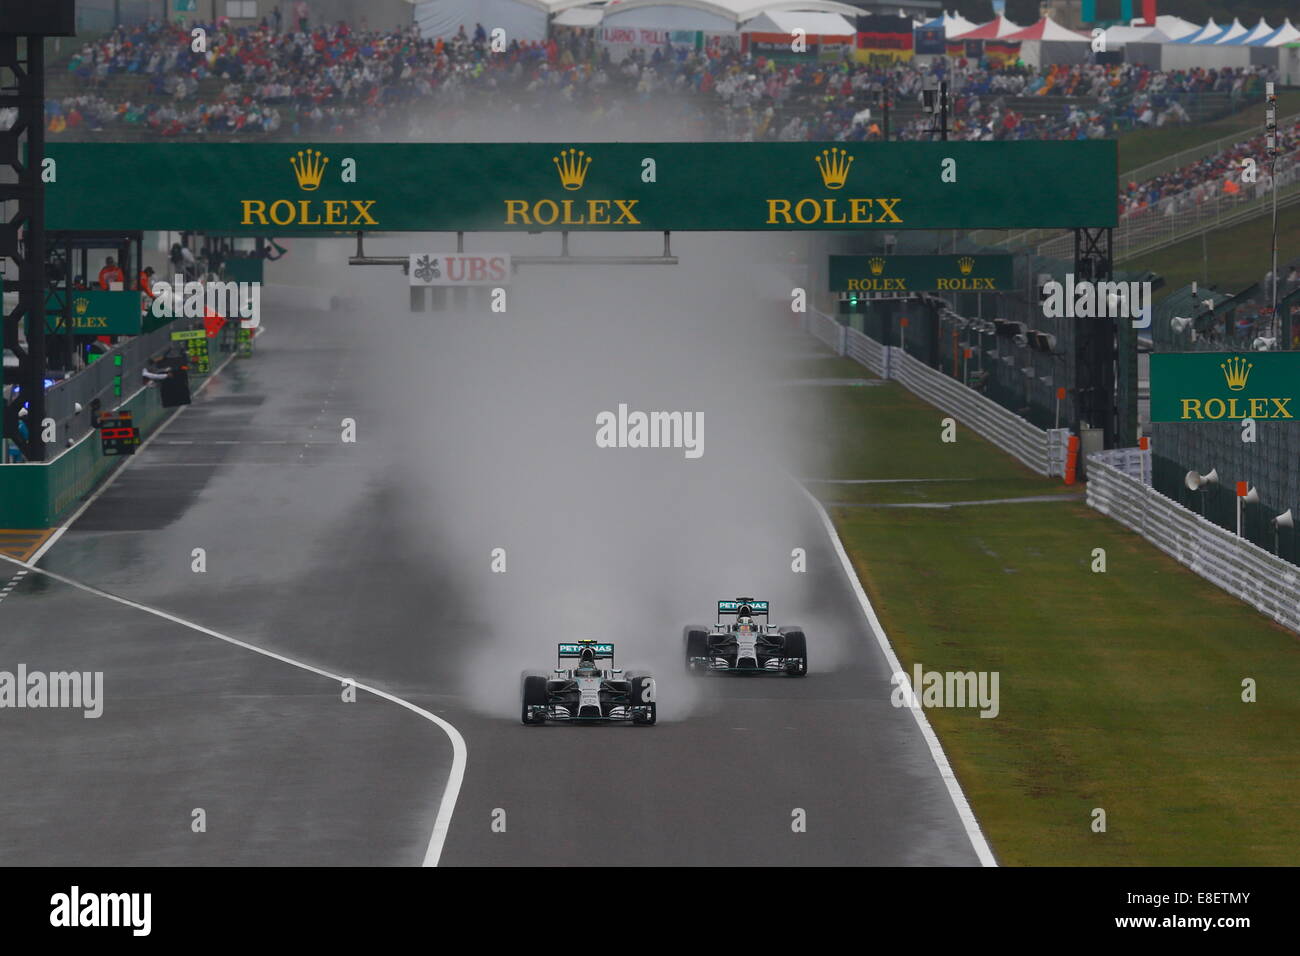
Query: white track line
(460, 753)
(959, 800)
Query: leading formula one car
(744, 645)
(586, 691)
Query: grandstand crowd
(337, 80)
(333, 80)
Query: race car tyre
(640, 686)
(534, 694)
(796, 646)
(697, 645)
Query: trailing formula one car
(588, 692)
(745, 646)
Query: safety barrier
(1244, 570)
(1132, 462)
(1043, 450)
(867, 351)
(39, 494)
(825, 329)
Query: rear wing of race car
(733, 608)
(573, 651)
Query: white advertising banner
(459, 268)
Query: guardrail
(1244, 570)
(826, 330)
(1042, 450)
(866, 351)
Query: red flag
(1149, 12)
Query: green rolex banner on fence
(1225, 386)
(921, 274)
(96, 312)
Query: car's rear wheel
(697, 646)
(643, 696)
(534, 696)
(796, 654)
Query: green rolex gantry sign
(1225, 386)
(868, 274)
(284, 189)
(97, 312)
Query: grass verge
(1119, 690)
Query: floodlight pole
(1270, 130)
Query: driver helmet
(745, 620)
(586, 663)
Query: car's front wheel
(534, 696)
(796, 654)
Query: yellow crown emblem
(82, 305)
(834, 165)
(877, 266)
(309, 167)
(1236, 370)
(965, 264)
(573, 165)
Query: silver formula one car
(744, 646)
(587, 691)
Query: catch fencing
(1043, 450)
(1245, 570)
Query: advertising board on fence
(1225, 386)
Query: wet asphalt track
(308, 555)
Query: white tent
(1204, 51)
(646, 24)
(1119, 36)
(1286, 33)
(954, 24)
(587, 16)
(1258, 32)
(812, 24)
(523, 20)
(1175, 27)
(1231, 32)
(1210, 29)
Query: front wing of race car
(584, 701)
(722, 652)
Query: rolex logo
(1236, 370)
(834, 165)
(82, 305)
(965, 264)
(877, 266)
(309, 167)
(572, 165)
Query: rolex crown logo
(572, 164)
(82, 305)
(309, 167)
(877, 266)
(834, 165)
(1236, 370)
(965, 264)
